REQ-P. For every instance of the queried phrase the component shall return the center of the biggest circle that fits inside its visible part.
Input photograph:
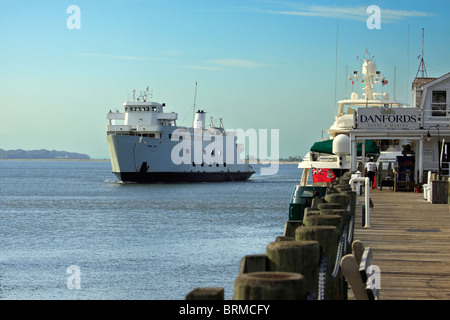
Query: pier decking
(410, 239)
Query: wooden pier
(410, 241)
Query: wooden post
(340, 198)
(253, 263)
(330, 205)
(311, 211)
(324, 220)
(343, 188)
(290, 226)
(296, 256)
(352, 206)
(328, 237)
(346, 222)
(270, 286)
(283, 238)
(213, 293)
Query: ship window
(193, 164)
(151, 135)
(439, 103)
(224, 164)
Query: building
(420, 130)
(432, 101)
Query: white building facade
(423, 130)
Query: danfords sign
(387, 118)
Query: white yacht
(146, 145)
(334, 152)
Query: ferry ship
(147, 146)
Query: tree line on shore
(40, 154)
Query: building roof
(436, 80)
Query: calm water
(129, 241)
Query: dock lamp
(439, 139)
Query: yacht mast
(422, 68)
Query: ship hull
(171, 177)
(148, 160)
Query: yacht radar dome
(341, 145)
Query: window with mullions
(439, 103)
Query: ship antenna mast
(422, 68)
(195, 99)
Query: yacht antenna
(346, 85)
(422, 68)
(335, 70)
(395, 82)
(407, 69)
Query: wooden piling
(296, 256)
(324, 220)
(290, 226)
(341, 198)
(212, 293)
(330, 205)
(328, 237)
(270, 286)
(253, 263)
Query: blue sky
(258, 63)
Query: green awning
(326, 146)
(371, 147)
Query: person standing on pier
(370, 171)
